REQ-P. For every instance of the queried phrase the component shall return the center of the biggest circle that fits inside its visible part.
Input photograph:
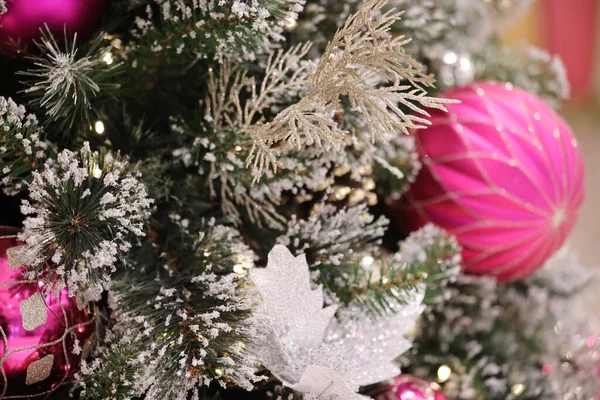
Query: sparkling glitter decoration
(39, 370)
(407, 387)
(41, 331)
(503, 173)
(34, 312)
(16, 257)
(314, 353)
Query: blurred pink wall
(570, 30)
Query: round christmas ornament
(21, 23)
(503, 173)
(43, 335)
(407, 387)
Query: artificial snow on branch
(188, 323)
(82, 212)
(21, 148)
(66, 78)
(364, 64)
(313, 352)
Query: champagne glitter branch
(361, 63)
(225, 111)
(82, 211)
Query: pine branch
(188, 311)
(67, 80)
(426, 257)
(22, 149)
(83, 211)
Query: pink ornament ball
(21, 24)
(407, 387)
(503, 173)
(43, 335)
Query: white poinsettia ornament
(311, 351)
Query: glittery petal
(39, 369)
(34, 311)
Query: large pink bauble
(408, 387)
(503, 173)
(21, 24)
(42, 336)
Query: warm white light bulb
(99, 127)
(97, 172)
(108, 58)
(443, 373)
(517, 389)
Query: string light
(443, 373)
(97, 172)
(99, 127)
(239, 269)
(450, 57)
(290, 23)
(108, 58)
(517, 389)
(367, 261)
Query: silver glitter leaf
(34, 311)
(374, 343)
(16, 257)
(39, 370)
(294, 310)
(325, 383)
(310, 351)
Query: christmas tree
(216, 200)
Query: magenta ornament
(43, 335)
(503, 173)
(21, 24)
(408, 387)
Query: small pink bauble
(21, 24)
(408, 387)
(42, 336)
(503, 173)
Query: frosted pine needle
(83, 209)
(21, 147)
(66, 77)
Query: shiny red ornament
(503, 173)
(43, 335)
(21, 24)
(408, 387)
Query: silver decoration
(314, 353)
(34, 312)
(374, 343)
(16, 256)
(39, 370)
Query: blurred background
(571, 29)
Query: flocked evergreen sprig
(342, 249)
(427, 257)
(68, 80)
(172, 35)
(22, 148)
(529, 68)
(83, 212)
(187, 323)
